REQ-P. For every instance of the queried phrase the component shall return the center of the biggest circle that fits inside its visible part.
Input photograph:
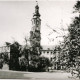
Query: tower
(35, 36)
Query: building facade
(48, 53)
(5, 50)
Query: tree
(64, 53)
(4, 57)
(74, 35)
(39, 64)
(14, 56)
(1, 60)
(24, 57)
(23, 62)
(44, 63)
(33, 66)
(77, 7)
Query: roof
(46, 50)
(44, 47)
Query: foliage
(77, 6)
(71, 46)
(24, 57)
(39, 64)
(24, 51)
(1, 60)
(4, 59)
(23, 62)
(14, 56)
(74, 35)
(43, 63)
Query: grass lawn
(12, 75)
(55, 75)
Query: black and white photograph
(40, 39)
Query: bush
(39, 64)
(2, 60)
(23, 64)
(1, 63)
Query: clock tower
(35, 36)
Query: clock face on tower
(37, 28)
(37, 34)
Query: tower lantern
(36, 11)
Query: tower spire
(37, 14)
(37, 2)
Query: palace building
(35, 36)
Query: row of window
(47, 52)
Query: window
(37, 22)
(47, 51)
(51, 52)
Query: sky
(16, 15)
